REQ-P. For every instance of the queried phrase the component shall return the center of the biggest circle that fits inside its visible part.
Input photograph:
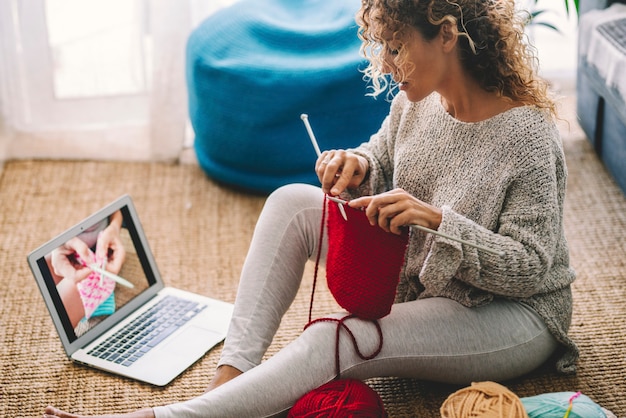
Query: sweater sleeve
(528, 233)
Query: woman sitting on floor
(470, 149)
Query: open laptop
(92, 301)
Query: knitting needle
(341, 202)
(111, 276)
(432, 231)
(307, 125)
(462, 241)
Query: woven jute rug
(199, 232)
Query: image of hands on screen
(85, 270)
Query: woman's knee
(298, 195)
(355, 335)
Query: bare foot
(222, 375)
(52, 412)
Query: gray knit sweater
(500, 183)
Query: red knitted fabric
(363, 263)
(362, 269)
(339, 399)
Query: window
(101, 79)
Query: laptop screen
(95, 271)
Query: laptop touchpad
(191, 341)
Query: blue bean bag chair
(253, 68)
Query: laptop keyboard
(147, 330)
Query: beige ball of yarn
(485, 400)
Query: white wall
(556, 50)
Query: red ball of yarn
(338, 399)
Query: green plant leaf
(547, 25)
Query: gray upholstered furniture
(601, 81)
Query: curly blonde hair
(492, 43)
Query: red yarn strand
(317, 259)
(341, 324)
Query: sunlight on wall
(556, 49)
(201, 9)
(103, 47)
(98, 47)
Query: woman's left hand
(109, 247)
(396, 209)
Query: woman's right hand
(339, 170)
(64, 263)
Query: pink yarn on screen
(339, 399)
(95, 289)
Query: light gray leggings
(432, 339)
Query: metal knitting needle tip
(307, 125)
(343, 211)
(342, 202)
(110, 275)
(462, 241)
(337, 200)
